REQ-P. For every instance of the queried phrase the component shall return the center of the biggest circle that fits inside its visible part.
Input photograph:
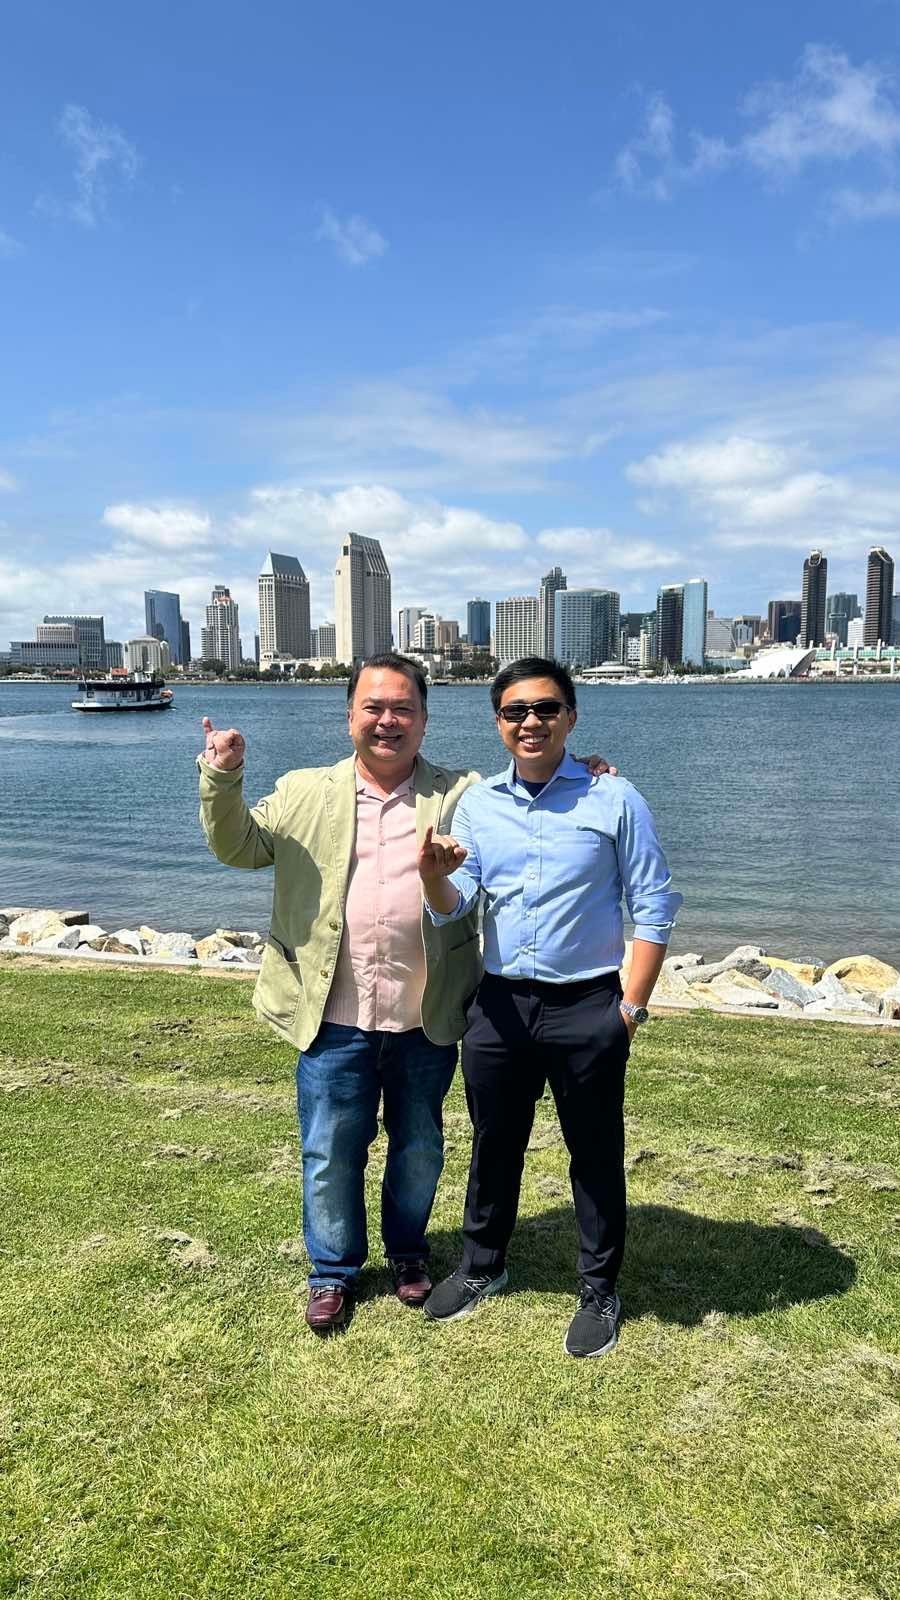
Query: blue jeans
(340, 1080)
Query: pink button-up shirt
(380, 975)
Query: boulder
(34, 926)
(678, 963)
(747, 997)
(786, 987)
(124, 942)
(745, 952)
(179, 945)
(219, 948)
(749, 966)
(148, 933)
(245, 939)
(88, 935)
(859, 973)
(805, 971)
(831, 992)
(66, 940)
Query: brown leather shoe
(412, 1285)
(328, 1309)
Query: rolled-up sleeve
(646, 881)
(467, 878)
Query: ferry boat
(123, 694)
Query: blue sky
(504, 285)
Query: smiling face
(537, 744)
(386, 722)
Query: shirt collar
(568, 768)
(404, 788)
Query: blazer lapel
(431, 791)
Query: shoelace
(605, 1303)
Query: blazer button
(334, 926)
(323, 972)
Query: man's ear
(573, 718)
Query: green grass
(178, 1434)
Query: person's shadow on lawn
(678, 1266)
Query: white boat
(123, 694)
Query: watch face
(636, 1013)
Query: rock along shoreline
(749, 981)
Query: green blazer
(306, 831)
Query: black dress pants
(521, 1035)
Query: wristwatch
(636, 1013)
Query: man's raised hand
(223, 750)
(439, 856)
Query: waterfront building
(839, 610)
(669, 615)
(147, 654)
(517, 627)
(407, 617)
(895, 635)
(648, 641)
(448, 633)
(425, 633)
(694, 604)
(327, 641)
(879, 597)
(362, 599)
(719, 636)
(58, 649)
(185, 643)
(784, 621)
(747, 630)
(113, 658)
(812, 604)
(221, 638)
(162, 615)
(478, 623)
(632, 652)
(551, 585)
(90, 638)
(586, 627)
(283, 607)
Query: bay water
(778, 805)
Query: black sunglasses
(517, 710)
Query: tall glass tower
(162, 612)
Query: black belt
(547, 990)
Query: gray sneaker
(594, 1329)
(458, 1296)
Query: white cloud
(859, 205)
(710, 464)
(831, 112)
(164, 527)
(590, 553)
(8, 484)
(9, 247)
(355, 240)
(104, 157)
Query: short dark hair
(533, 667)
(393, 663)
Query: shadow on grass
(678, 1266)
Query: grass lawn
(171, 1432)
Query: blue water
(777, 804)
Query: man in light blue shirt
(552, 851)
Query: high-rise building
(855, 628)
(747, 629)
(649, 651)
(222, 635)
(879, 597)
(586, 626)
(719, 635)
(478, 623)
(895, 635)
(839, 610)
(90, 639)
(425, 633)
(448, 633)
(517, 627)
(407, 617)
(551, 584)
(283, 608)
(162, 614)
(55, 645)
(695, 599)
(362, 599)
(185, 643)
(669, 620)
(812, 604)
(784, 621)
(113, 655)
(326, 641)
(147, 654)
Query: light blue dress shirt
(553, 870)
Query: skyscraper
(222, 634)
(283, 608)
(551, 584)
(784, 621)
(694, 603)
(516, 627)
(586, 627)
(362, 599)
(162, 614)
(879, 597)
(669, 618)
(839, 610)
(478, 624)
(91, 639)
(185, 643)
(812, 604)
(326, 645)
